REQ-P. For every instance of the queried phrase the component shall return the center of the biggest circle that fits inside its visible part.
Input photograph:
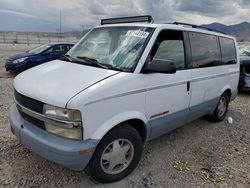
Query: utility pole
(60, 25)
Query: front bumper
(57, 149)
(10, 66)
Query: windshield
(39, 49)
(244, 50)
(112, 47)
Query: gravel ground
(214, 147)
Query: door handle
(188, 86)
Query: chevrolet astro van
(124, 83)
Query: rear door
(210, 74)
(52, 53)
(168, 95)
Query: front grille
(33, 120)
(29, 103)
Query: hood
(17, 56)
(56, 82)
(245, 60)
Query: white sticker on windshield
(137, 33)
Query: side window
(228, 51)
(69, 46)
(169, 46)
(65, 48)
(58, 49)
(205, 50)
(49, 50)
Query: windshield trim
(143, 49)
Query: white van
(121, 85)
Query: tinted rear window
(205, 50)
(228, 51)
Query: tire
(128, 143)
(220, 111)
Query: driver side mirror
(159, 66)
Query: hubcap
(222, 106)
(117, 156)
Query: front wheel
(221, 110)
(117, 154)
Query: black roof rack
(197, 26)
(145, 18)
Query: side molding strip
(162, 86)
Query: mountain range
(241, 31)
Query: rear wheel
(221, 110)
(117, 154)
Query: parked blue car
(36, 56)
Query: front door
(168, 95)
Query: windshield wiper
(70, 59)
(67, 57)
(93, 61)
(106, 66)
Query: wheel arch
(140, 126)
(227, 90)
(134, 119)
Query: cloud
(78, 13)
(16, 13)
(244, 3)
(210, 8)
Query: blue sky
(43, 15)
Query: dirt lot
(213, 147)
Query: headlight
(61, 113)
(63, 122)
(20, 60)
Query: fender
(226, 87)
(120, 118)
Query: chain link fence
(37, 38)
